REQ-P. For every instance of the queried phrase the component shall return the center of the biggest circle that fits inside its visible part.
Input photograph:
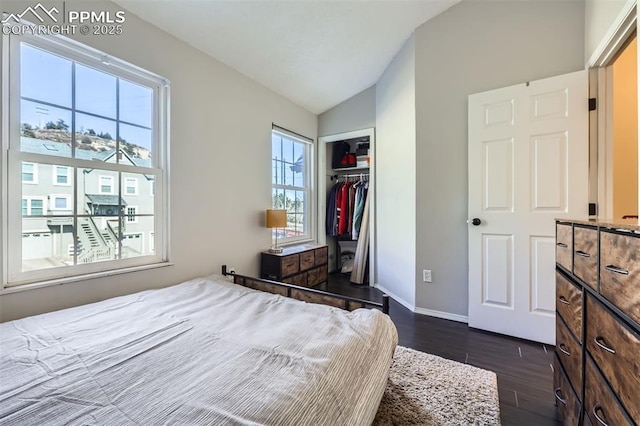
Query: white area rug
(425, 389)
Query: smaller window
(131, 186)
(59, 202)
(33, 206)
(106, 185)
(131, 214)
(61, 175)
(29, 173)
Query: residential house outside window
(91, 127)
(291, 188)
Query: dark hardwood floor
(524, 368)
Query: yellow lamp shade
(276, 219)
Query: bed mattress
(204, 352)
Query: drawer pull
(595, 410)
(582, 254)
(559, 396)
(563, 245)
(562, 299)
(616, 270)
(563, 349)
(600, 342)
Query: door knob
(475, 221)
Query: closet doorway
(352, 246)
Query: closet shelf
(343, 169)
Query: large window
(90, 128)
(291, 183)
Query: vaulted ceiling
(315, 53)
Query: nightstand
(305, 265)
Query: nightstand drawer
(317, 276)
(620, 272)
(564, 246)
(321, 256)
(307, 260)
(299, 279)
(585, 255)
(290, 265)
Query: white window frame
(35, 174)
(100, 184)
(52, 202)
(13, 278)
(30, 199)
(55, 175)
(308, 189)
(128, 180)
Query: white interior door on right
(528, 164)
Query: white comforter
(205, 352)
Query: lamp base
(275, 250)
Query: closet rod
(333, 177)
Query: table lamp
(276, 219)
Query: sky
(48, 78)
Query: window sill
(77, 278)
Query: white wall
(357, 112)
(220, 169)
(469, 48)
(396, 175)
(599, 17)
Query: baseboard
(423, 311)
(443, 315)
(400, 300)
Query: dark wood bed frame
(306, 294)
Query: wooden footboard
(307, 294)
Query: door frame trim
(323, 183)
(601, 138)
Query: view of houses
(114, 210)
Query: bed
(204, 352)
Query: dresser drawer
(616, 350)
(317, 276)
(569, 304)
(570, 354)
(307, 260)
(322, 256)
(567, 401)
(600, 403)
(564, 246)
(585, 255)
(299, 279)
(290, 265)
(620, 271)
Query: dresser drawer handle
(600, 342)
(616, 270)
(563, 349)
(559, 396)
(595, 410)
(563, 245)
(562, 299)
(582, 254)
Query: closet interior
(347, 219)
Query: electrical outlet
(426, 275)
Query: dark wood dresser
(304, 265)
(597, 363)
